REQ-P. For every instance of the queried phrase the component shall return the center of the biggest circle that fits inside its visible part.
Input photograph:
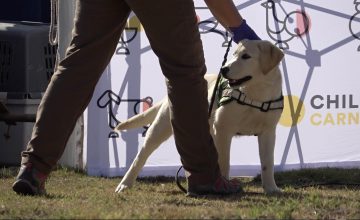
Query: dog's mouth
(238, 82)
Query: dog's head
(252, 60)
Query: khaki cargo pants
(171, 27)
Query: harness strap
(229, 94)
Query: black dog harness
(226, 94)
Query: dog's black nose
(224, 70)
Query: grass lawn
(308, 194)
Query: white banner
(320, 126)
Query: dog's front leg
(266, 149)
(222, 142)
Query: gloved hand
(242, 32)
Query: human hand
(243, 31)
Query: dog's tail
(139, 120)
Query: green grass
(308, 194)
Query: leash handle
(54, 27)
(178, 181)
(218, 78)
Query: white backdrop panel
(320, 71)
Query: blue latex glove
(242, 32)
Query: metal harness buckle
(265, 106)
(238, 95)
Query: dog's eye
(245, 56)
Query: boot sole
(24, 187)
(212, 192)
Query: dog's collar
(228, 94)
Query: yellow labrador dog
(250, 103)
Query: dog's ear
(270, 56)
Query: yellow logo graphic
(134, 22)
(290, 118)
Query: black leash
(218, 78)
(178, 181)
(211, 104)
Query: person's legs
(171, 27)
(98, 26)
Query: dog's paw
(121, 188)
(273, 191)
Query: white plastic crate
(26, 59)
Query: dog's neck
(268, 90)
